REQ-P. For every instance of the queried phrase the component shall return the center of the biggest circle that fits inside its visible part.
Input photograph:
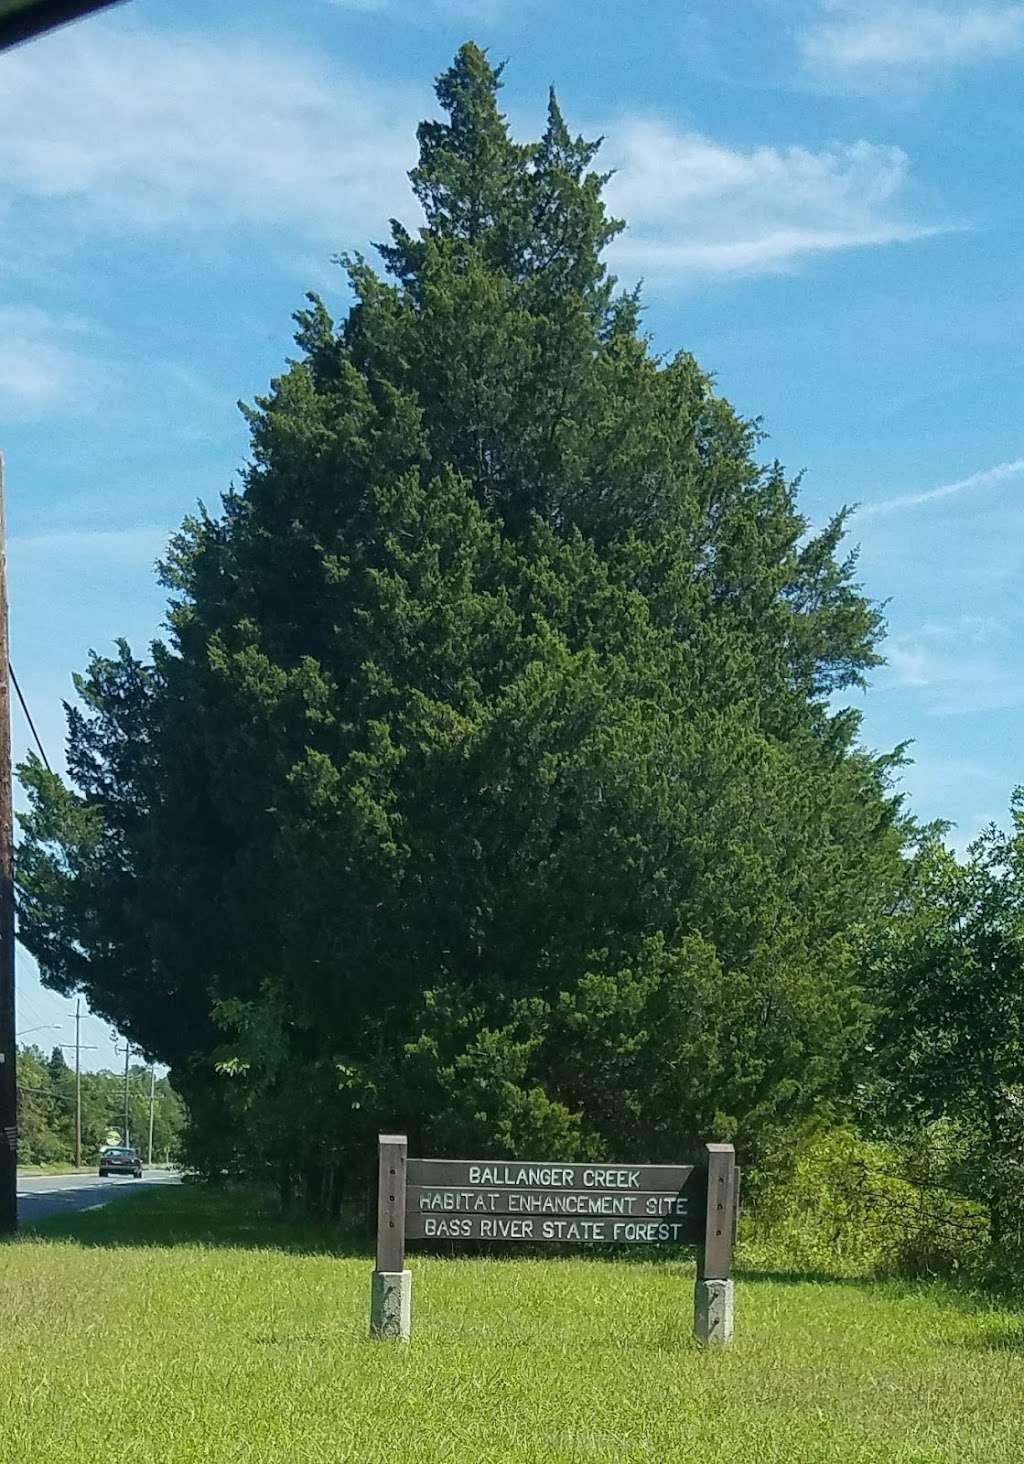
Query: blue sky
(824, 201)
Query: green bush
(844, 1205)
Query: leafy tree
(488, 783)
(39, 1137)
(46, 1110)
(947, 973)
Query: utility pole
(79, 1049)
(8, 1046)
(78, 1084)
(127, 1056)
(152, 1106)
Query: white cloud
(697, 206)
(958, 666)
(142, 544)
(984, 479)
(114, 128)
(42, 362)
(131, 129)
(889, 36)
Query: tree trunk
(285, 1187)
(313, 1186)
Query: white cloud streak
(886, 37)
(987, 478)
(697, 206)
(140, 130)
(110, 129)
(958, 667)
(42, 362)
(140, 545)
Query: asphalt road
(63, 1194)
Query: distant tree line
(46, 1111)
(497, 780)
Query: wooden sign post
(391, 1283)
(555, 1203)
(713, 1300)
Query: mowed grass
(180, 1327)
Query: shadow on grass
(200, 1215)
(240, 1217)
(250, 1219)
(784, 1277)
(1003, 1337)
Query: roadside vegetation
(46, 1112)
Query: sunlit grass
(180, 1327)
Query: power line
(29, 1007)
(28, 719)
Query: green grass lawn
(178, 1325)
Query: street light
(50, 1027)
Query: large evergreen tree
(490, 781)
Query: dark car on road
(120, 1161)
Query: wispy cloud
(938, 782)
(987, 478)
(886, 37)
(176, 131)
(44, 362)
(697, 206)
(960, 666)
(126, 129)
(141, 544)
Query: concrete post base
(712, 1312)
(391, 1305)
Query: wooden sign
(554, 1203)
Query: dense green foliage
(843, 1204)
(491, 782)
(46, 1111)
(946, 973)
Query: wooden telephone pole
(128, 1049)
(152, 1112)
(8, 1048)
